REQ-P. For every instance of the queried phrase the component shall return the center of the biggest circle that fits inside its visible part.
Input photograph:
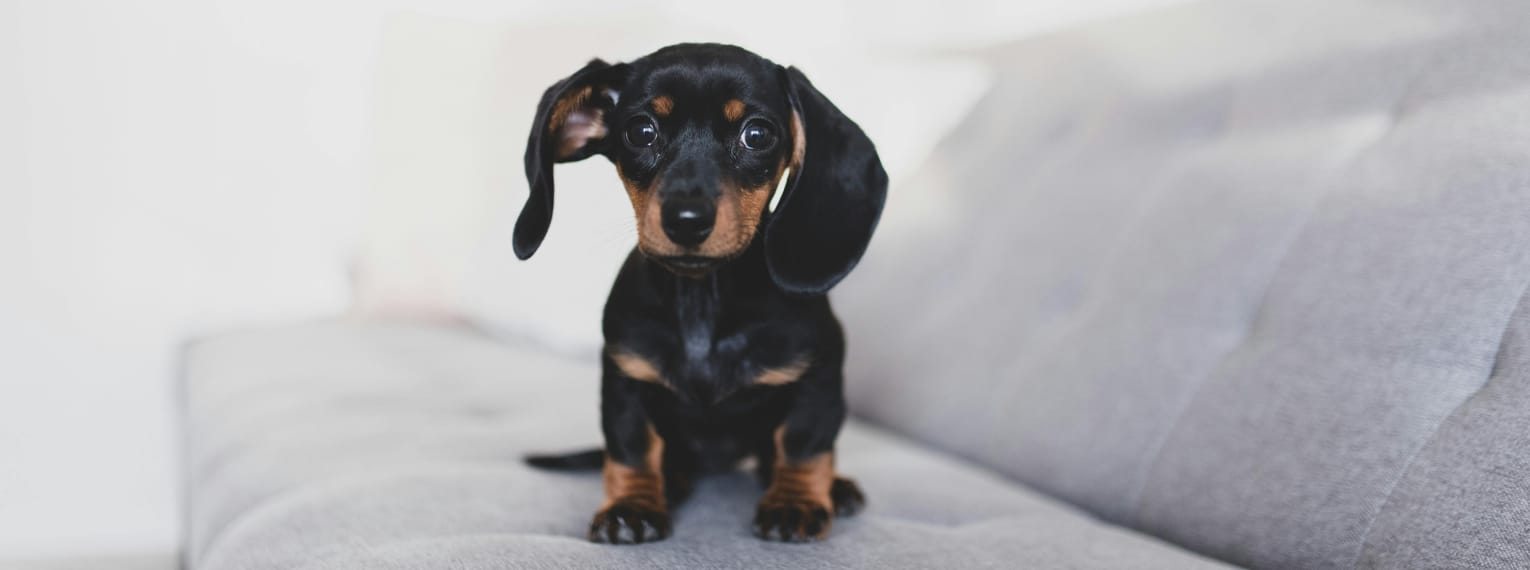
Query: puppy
(719, 340)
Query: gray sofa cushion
(346, 445)
(1232, 274)
(1462, 502)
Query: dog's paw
(629, 522)
(846, 496)
(792, 520)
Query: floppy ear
(570, 125)
(833, 199)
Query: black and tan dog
(719, 340)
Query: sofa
(1227, 284)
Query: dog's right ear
(570, 125)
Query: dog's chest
(696, 324)
(706, 357)
(710, 361)
(705, 340)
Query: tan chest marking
(640, 368)
(636, 367)
(782, 375)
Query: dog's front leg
(635, 510)
(804, 493)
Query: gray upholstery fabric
(1234, 275)
(344, 445)
(1462, 502)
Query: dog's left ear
(833, 199)
(570, 125)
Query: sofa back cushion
(1237, 274)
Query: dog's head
(701, 135)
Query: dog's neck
(743, 276)
(698, 303)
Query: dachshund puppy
(719, 341)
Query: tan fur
(728, 234)
(634, 192)
(645, 208)
(651, 238)
(567, 105)
(574, 124)
(752, 204)
(663, 105)
(579, 128)
(640, 484)
(801, 481)
(636, 367)
(782, 375)
(738, 217)
(733, 110)
(799, 141)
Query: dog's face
(701, 135)
(703, 143)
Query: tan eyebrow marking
(733, 110)
(662, 105)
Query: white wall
(165, 169)
(178, 167)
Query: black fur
(711, 330)
(578, 461)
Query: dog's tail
(577, 461)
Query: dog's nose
(688, 222)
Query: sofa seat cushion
(354, 445)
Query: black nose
(688, 222)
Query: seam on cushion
(1407, 466)
(1395, 112)
(1199, 386)
(1399, 108)
(1156, 454)
(1071, 321)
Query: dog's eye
(642, 132)
(757, 135)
